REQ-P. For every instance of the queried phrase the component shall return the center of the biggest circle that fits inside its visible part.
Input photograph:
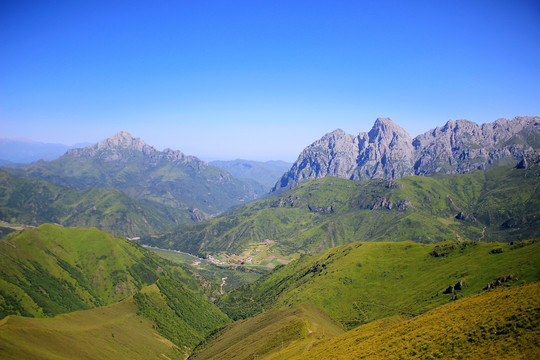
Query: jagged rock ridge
(387, 151)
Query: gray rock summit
(387, 151)
(123, 145)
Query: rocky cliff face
(387, 151)
(460, 146)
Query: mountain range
(265, 173)
(387, 151)
(166, 177)
(21, 151)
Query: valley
(270, 180)
(119, 250)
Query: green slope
(498, 324)
(112, 332)
(268, 334)
(501, 204)
(180, 315)
(34, 202)
(51, 270)
(366, 281)
(164, 320)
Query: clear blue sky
(260, 79)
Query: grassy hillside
(501, 204)
(111, 332)
(164, 320)
(268, 334)
(34, 202)
(51, 270)
(180, 315)
(366, 281)
(502, 323)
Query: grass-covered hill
(163, 320)
(501, 204)
(503, 323)
(109, 332)
(268, 334)
(34, 202)
(366, 281)
(52, 270)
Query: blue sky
(260, 79)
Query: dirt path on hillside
(223, 281)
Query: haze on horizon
(260, 80)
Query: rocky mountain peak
(386, 131)
(336, 133)
(121, 145)
(175, 155)
(121, 137)
(123, 140)
(385, 152)
(385, 124)
(336, 140)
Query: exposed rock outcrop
(499, 281)
(197, 215)
(323, 210)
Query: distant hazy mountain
(265, 173)
(7, 163)
(167, 177)
(19, 151)
(387, 151)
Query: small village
(257, 254)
